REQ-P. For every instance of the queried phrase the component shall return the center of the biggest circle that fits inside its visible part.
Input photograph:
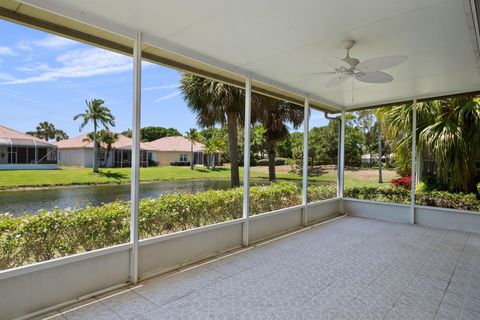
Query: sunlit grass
(85, 176)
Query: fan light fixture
(365, 71)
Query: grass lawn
(84, 176)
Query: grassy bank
(84, 176)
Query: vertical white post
(135, 184)
(36, 152)
(246, 158)
(341, 162)
(306, 111)
(414, 148)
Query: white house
(22, 151)
(177, 149)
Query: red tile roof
(80, 142)
(13, 137)
(176, 143)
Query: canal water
(29, 201)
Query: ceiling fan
(365, 71)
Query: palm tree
(60, 135)
(447, 129)
(274, 115)
(45, 130)
(194, 136)
(106, 138)
(216, 103)
(97, 113)
(212, 146)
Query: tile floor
(350, 268)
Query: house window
(183, 157)
(12, 154)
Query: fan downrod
(347, 45)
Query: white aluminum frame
(135, 184)
(341, 162)
(414, 153)
(246, 158)
(306, 115)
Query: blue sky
(48, 78)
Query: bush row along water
(51, 234)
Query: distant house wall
(3, 154)
(166, 157)
(88, 158)
(71, 157)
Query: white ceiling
(284, 41)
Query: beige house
(22, 151)
(177, 149)
(78, 151)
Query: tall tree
(152, 133)
(274, 115)
(98, 114)
(105, 138)
(216, 103)
(257, 143)
(194, 136)
(47, 131)
(365, 120)
(127, 133)
(212, 146)
(60, 135)
(448, 130)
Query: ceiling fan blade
(374, 77)
(380, 63)
(336, 63)
(337, 80)
(321, 73)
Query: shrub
(180, 163)
(278, 162)
(446, 199)
(317, 193)
(378, 194)
(402, 183)
(56, 233)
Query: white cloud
(49, 42)
(35, 67)
(168, 96)
(6, 51)
(6, 77)
(54, 42)
(80, 63)
(165, 86)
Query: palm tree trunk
(271, 160)
(109, 148)
(191, 160)
(232, 145)
(95, 148)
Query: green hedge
(57, 233)
(317, 193)
(264, 162)
(440, 199)
(62, 232)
